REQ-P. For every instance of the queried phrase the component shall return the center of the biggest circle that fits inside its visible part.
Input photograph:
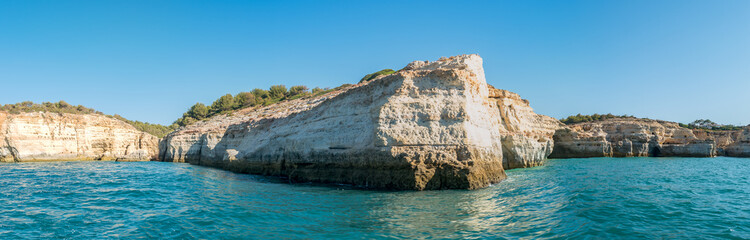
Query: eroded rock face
(631, 137)
(41, 136)
(729, 143)
(432, 125)
(526, 136)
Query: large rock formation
(431, 125)
(526, 136)
(732, 143)
(633, 137)
(45, 136)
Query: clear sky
(151, 60)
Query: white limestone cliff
(732, 143)
(630, 137)
(526, 136)
(431, 125)
(46, 136)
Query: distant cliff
(731, 143)
(628, 137)
(48, 136)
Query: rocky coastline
(634, 137)
(48, 136)
(431, 125)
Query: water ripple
(598, 198)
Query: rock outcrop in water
(632, 137)
(431, 125)
(527, 137)
(731, 143)
(46, 136)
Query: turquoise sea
(596, 198)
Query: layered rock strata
(44, 136)
(431, 125)
(527, 137)
(734, 143)
(632, 137)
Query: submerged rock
(431, 125)
(47, 136)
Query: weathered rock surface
(527, 137)
(431, 125)
(729, 143)
(44, 136)
(632, 137)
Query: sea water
(596, 198)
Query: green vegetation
(590, 118)
(63, 107)
(709, 125)
(297, 90)
(243, 100)
(58, 107)
(316, 90)
(374, 75)
(320, 91)
(257, 97)
(697, 124)
(157, 130)
(223, 105)
(277, 91)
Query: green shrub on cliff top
(316, 90)
(228, 103)
(260, 93)
(710, 125)
(244, 99)
(223, 104)
(157, 130)
(257, 97)
(58, 107)
(374, 75)
(590, 118)
(198, 111)
(297, 90)
(277, 91)
(64, 107)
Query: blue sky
(151, 60)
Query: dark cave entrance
(655, 152)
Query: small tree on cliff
(184, 121)
(277, 91)
(317, 90)
(703, 123)
(244, 99)
(260, 93)
(223, 104)
(60, 104)
(198, 111)
(297, 90)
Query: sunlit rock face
(734, 143)
(42, 136)
(630, 137)
(431, 125)
(526, 136)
